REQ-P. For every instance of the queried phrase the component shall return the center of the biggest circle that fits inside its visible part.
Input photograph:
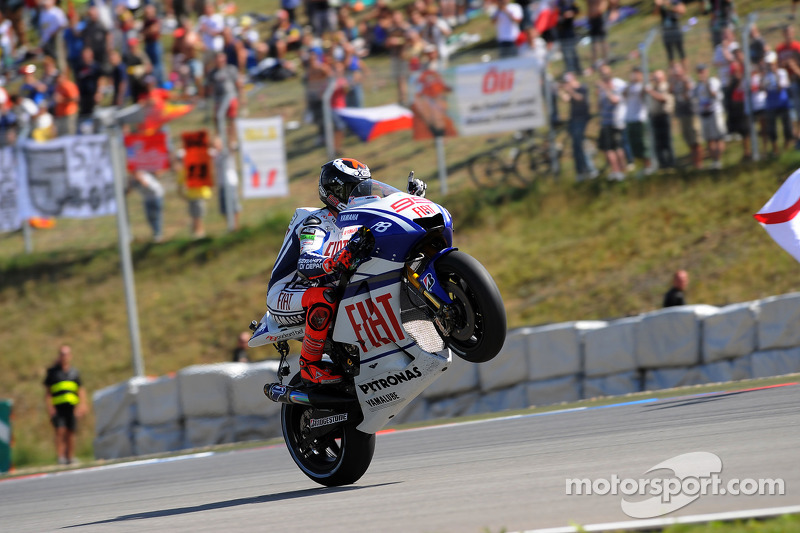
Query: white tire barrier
(555, 350)
(158, 439)
(612, 384)
(612, 349)
(731, 332)
(779, 322)
(671, 337)
(775, 362)
(556, 390)
(158, 402)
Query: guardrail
(214, 404)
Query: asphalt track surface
(506, 473)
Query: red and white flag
(779, 216)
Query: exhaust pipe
(290, 395)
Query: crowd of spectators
(111, 52)
(710, 103)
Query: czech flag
(779, 215)
(372, 122)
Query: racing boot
(321, 305)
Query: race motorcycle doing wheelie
(413, 303)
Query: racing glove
(415, 186)
(353, 254)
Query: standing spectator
(153, 196)
(507, 16)
(185, 61)
(119, 79)
(339, 101)
(636, 118)
(6, 44)
(567, 11)
(357, 70)
(737, 116)
(196, 199)
(758, 47)
(51, 23)
(65, 111)
(789, 59)
(759, 102)
(95, 36)
(676, 295)
(723, 15)
(612, 121)
(707, 96)
(775, 83)
(224, 83)
(681, 87)
(577, 95)
(13, 10)
(598, 13)
(240, 352)
(317, 75)
(319, 15)
(227, 179)
(661, 104)
(290, 6)
(723, 56)
(210, 26)
(66, 401)
(396, 44)
(671, 11)
(435, 31)
(88, 80)
(73, 40)
(151, 34)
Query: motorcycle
(402, 314)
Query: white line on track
(668, 521)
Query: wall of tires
(214, 404)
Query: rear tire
(480, 329)
(340, 457)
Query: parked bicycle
(518, 162)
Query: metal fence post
(748, 93)
(19, 153)
(110, 122)
(327, 116)
(228, 188)
(550, 105)
(644, 46)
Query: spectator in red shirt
(66, 97)
(789, 58)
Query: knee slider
(319, 316)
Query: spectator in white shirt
(707, 97)
(52, 21)
(507, 16)
(612, 121)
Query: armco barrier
(5, 435)
(211, 404)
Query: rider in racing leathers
(314, 253)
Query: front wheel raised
(338, 457)
(479, 322)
